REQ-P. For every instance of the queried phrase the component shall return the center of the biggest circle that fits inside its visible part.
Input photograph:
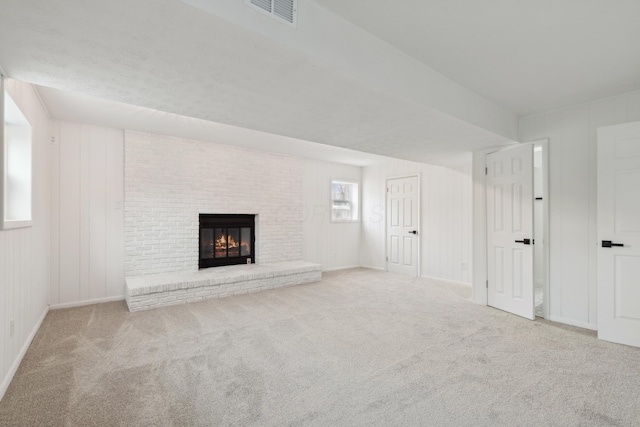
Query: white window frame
(354, 199)
(25, 219)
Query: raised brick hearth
(164, 289)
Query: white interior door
(619, 233)
(403, 218)
(510, 230)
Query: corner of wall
(25, 286)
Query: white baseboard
(16, 363)
(86, 302)
(572, 322)
(454, 282)
(373, 268)
(346, 267)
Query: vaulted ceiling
(421, 80)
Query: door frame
(544, 144)
(480, 259)
(386, 234)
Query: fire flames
(226, 240)
(226, 245)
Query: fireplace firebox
(226, 239)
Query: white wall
(24, 252)
(87, 215)
(445, 231)
(170, 181)
(334, 245)
(572, 185)
(87, 220)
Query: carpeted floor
(360, 347)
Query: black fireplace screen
(226, 239)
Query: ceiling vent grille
(282, 10)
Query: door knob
(525, 241)
(609, 244)
(413, 232)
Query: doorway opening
(540, 228)
(514, 244)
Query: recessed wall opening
(516, 229)
(15, 163)
(226, 239)
(540, 229)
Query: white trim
(12, 224)
(479, 229)
(571, 322)
(44, 107)
(404, 175)
(453, 282)
(346, 267)
(2, 152)
(370, 267)
(86, 302)
(16, 363)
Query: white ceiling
(70, 106)
(230, 66)
(526, 55)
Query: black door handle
(413, 232)
(609, 243)
(525, 241)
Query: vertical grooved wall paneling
(572, 134)
(333, 245)
(24, 252)
(446, 217)
(87, 215)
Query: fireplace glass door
(226, 239)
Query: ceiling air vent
(282, 10)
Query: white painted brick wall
(170, 181)
(160, 290)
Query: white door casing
(403, 225)
(509, 184)
(619, 224)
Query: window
(344, 201)
(16, 132)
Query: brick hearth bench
(158, 290)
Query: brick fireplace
(170, 181)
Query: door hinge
(387, 259)
(486, 171)
(487, 284)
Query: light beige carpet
(358, 348)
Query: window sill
(8, 225)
